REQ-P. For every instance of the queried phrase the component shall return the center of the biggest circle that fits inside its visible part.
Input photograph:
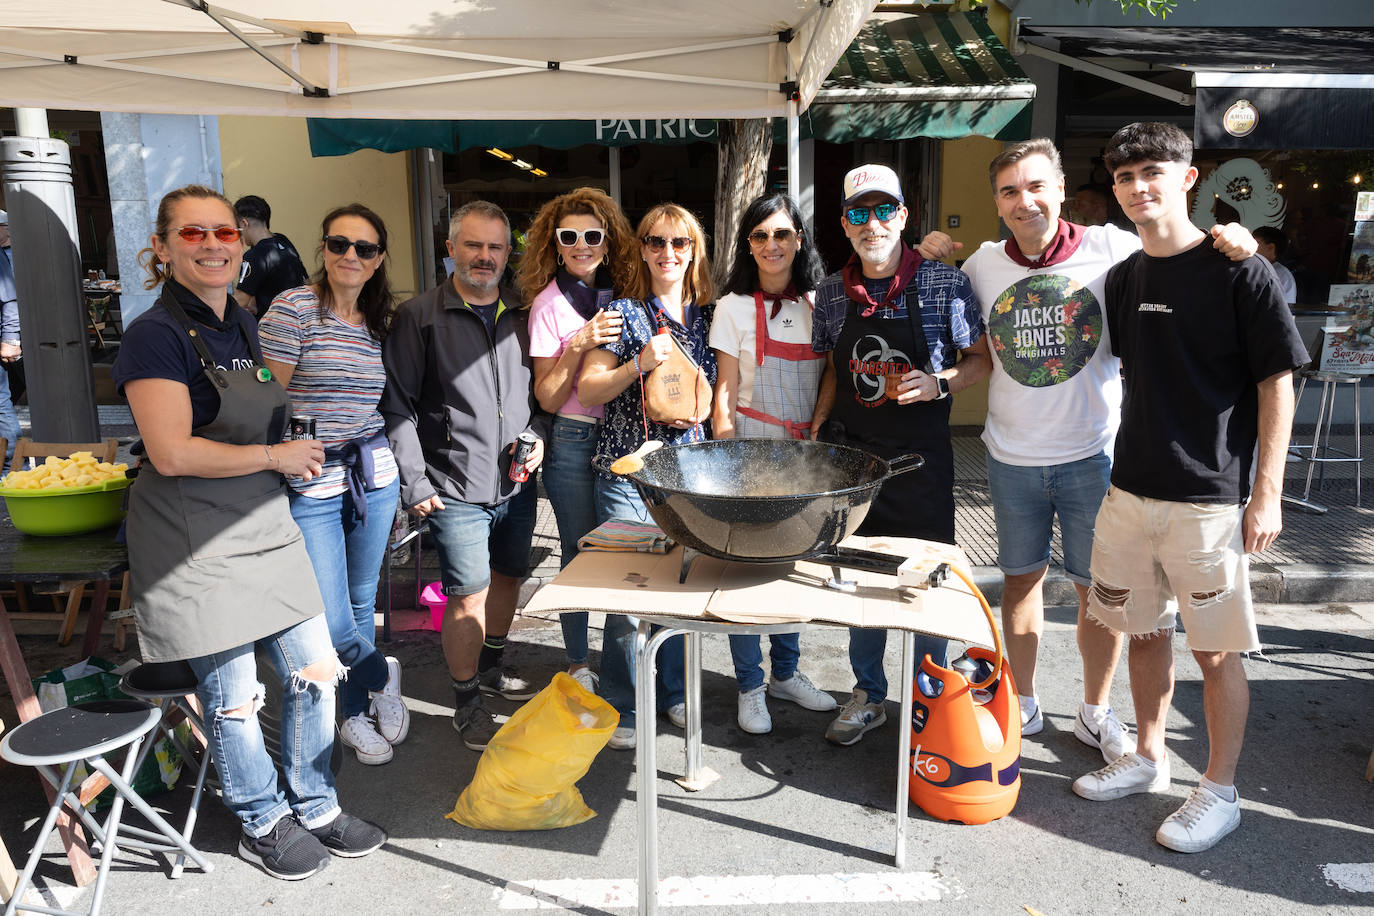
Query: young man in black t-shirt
(271, 264)
(1207, 348)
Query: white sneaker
(623, 738)
(1204, 819)
(586, 678)
(393, 719)
(1032, 724)
(1126, 775)
(1105, 732)
(753, 712)
(677, 714)
(358, 733)
(801, 691)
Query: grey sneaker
(1105, 732)
(350, 837)
(1203, 820)
(856, 717)
(799, 689)
(505, 682)
(586, 677)
(677, 714)
(622, 739)
(1126, 775)
(288, 851)
(476, 724)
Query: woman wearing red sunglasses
(213, 550)
(670, 288)
(324, 344)
(578, 249)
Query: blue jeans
(347, 557)
(9, 420)
(229, 681)
(568, 477)
(1025, 501)
(866, 648)
(619, 499)
(784, 650)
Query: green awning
(941, 75)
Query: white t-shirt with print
(733, 332)
(1055, 391)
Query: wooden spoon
(633, 463)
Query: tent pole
(793, 152)
(31, 122)
(613, 182)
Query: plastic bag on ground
(526, 779)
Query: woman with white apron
(214, 554)
(766, 384)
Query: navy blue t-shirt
(155, 345)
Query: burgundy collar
(853, 276)
(1067, 237)
(790, 294)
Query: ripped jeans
(251, 787)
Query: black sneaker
(476, 724)
(350, 837)
(288, 851)
(505, 682)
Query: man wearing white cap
(902, 335)
(10, 351)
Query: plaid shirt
(950, 316)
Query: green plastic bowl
(57, 512)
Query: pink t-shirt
(553, 321)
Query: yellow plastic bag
(526, 777)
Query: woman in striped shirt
(323, 342)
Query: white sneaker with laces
(1204, 819)
(585, 677)
(622, 739)
(677, 714)
(358, 733)
(799, 689)
(393, 719)
(753, 712)
(1105, 732)
(1126, 775)
(1032, 724)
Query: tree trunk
(742, 146)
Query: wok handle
(903, 463)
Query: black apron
(918, 504)
(216, 562)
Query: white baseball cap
(867, 179)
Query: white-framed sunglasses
(571, 238)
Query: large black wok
(762, 500)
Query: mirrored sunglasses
(781, 236)
(858, 216)
(197, 234)
(658, 242)
(337, 244)
(570, 238)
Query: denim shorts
(474, 541)
(1025, 501)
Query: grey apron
(218, 563)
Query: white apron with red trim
(786, 380)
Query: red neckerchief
(853, 277)
(1067, 237)
(789, 294)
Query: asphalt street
(790, 805)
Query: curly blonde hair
(540, 263)
(697, 284)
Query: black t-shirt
(271, 267)
(155, 345)
(1196, 333)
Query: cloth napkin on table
(619, 534)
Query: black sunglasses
(197, 234)
(337, 244)
(781, 236)
(569, 238)
(858, 216)
(658, 242)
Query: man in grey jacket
(459, 391)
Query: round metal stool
(86, 733)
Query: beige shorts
(1147, 551)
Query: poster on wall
(1362, 253)
(1364, 205)
(1349, 343)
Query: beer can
(302, 427)
(524, 445)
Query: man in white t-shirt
(1054, 402)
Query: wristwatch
(943, 385)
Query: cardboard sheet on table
(647, 584)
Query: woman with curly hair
(578, 250)
(323, 342)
